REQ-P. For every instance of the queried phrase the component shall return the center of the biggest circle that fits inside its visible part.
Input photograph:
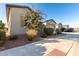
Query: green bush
(2, 33)
(2, 37)
(1, 25)
(48, 31)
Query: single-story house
(15, 18)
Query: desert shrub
(58, 31)
(48, 31)
(2, 37)
(13, 37)
(31, 34)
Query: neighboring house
(66, 26)
(15, 18)
(50, 23)
(76, 29)
(60, 26)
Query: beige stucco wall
(9, 25)
(15, 27)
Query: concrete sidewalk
(41, 48)
(74, 50)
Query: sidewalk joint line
(71, 47)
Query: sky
(65, 13)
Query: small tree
(1, 25)
(32, 23)
(32, 19)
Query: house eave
(8, 7)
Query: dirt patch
(21, 40)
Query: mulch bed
(21, 40)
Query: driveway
(60, 46)
(70, 36)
